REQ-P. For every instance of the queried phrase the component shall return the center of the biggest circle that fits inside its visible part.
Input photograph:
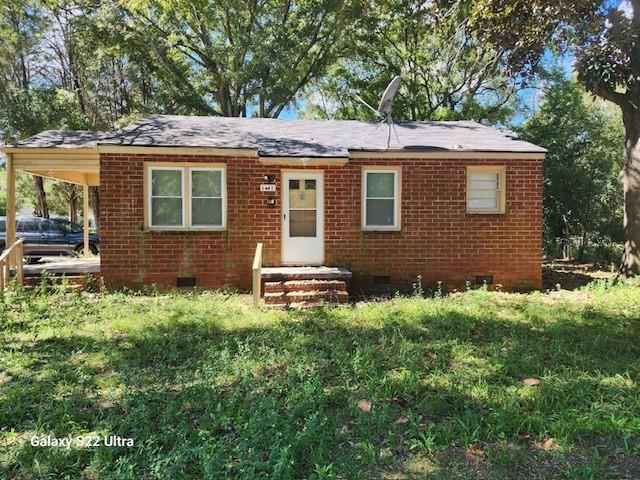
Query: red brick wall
(438, 239)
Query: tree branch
(612, 96)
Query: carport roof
(290, 138)
(63, 139)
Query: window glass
(28, 226)
(380, 212)
(206, 198)
(380, 185)
(302, 208)
(380, 201)
(206, 212)
(70, 227)
(166, 183)
(302, 195)
(484, 191)
(302, 223)
(483, 203)
(166, 198)
(3, 225)
(51, 226)
(166, 212)
(484, 181)
(206, 183)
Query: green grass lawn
(207, 387)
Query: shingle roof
(293, 138)
(63, 139)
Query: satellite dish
(386, 102)
(386, 106)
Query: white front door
(302, 218)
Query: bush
(600, 249)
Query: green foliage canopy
(446, 73)
(582, 188)
(235, 57)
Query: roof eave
(443, 153)
(54, 150)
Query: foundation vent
(186, 281)
(482, 279)
(381, 280)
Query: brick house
(185, 200)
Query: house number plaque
(267, 187)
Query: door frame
(284, 199)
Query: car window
(28, 226)
(50, 226)
(70, 227)
(3, 225)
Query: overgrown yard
(408, 388)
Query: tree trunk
(72, 192)
(631, 183)
(41, 208)
(583, 245)
(94, 202)
(566, 240)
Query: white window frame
(150, 196)
(223, 193)
(501, 171)
(185, 172)
(397, 197)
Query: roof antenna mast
(385, 108)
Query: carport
(60, 155)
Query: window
(381, 199)
(51, 227)
(302, 208)
(485, 189)
(207, 202)
(70, 227)
(28, 226)
(186, 197)
(167, 200)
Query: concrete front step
(304, 285)
(297, 306)
(304, 273)
(331, 296)
(326, 296)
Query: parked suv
(49, 236)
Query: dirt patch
(571, 275)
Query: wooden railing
(12, 256)
(257, 275)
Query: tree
(606, 43)
(21, 29)
(57, 72)
(447, 74)
(585, 143)
(31, 111)
(64, 198)
(233, 57)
